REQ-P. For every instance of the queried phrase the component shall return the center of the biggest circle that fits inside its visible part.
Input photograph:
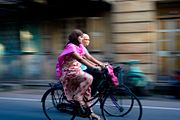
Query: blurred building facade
(33, 32)
(148, 30)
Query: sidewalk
(26, 84)
(23, 93)
(38, 93)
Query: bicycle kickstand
(74, 114)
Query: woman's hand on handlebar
(97, 68)
(104, 65)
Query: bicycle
(113, 102)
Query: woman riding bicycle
(76, 82)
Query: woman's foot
(95, 116)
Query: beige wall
(134, 32)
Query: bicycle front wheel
(121, 102)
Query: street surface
(26, 105)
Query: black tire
(121, 102)
(53, 101)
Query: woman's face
(80, 39)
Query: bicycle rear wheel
(54, 105)
(121, 102)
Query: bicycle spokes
(122, 103)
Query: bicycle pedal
(83, 111)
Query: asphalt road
(27, 106)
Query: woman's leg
(84, 93)
(84, 89)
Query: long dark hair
(73, 37)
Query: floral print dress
(76, 83)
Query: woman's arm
(82, 60)
(94, 60)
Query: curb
(9, 87)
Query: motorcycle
(130, 74)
